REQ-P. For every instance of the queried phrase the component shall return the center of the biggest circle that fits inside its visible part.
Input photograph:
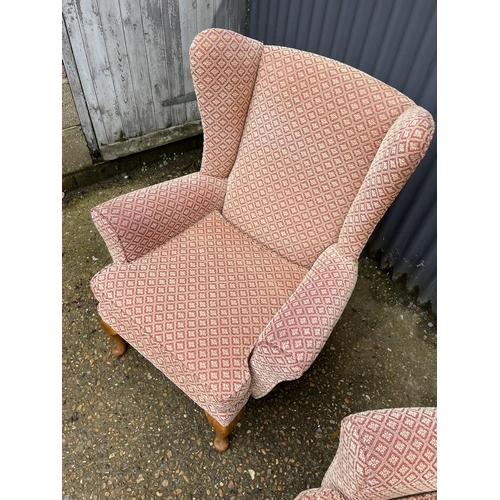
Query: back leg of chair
(120, 345)
(221, 441)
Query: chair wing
(398, 156)
(224, 67)
(298, 332)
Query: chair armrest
(137, 222)
(399, 154)
(385, 454)
(292, 340)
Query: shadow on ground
(129, 433)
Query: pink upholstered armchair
(382, 455)
(230, 280)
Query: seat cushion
(195, 307)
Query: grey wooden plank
(192, 111)
(136, 51)
(156, 52)
(189, 29)
(204, 14)
(95, 48)
(133, 55)
(77, 92)
(116, 48)
(79, 45)
(151, 140)
(220, 14)
(185, 98)
(175, 71)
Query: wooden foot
(120, 345)
(221, 441)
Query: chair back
(304, 132)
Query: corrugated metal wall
(395, 41)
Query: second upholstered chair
(230, 280)
(383, 454)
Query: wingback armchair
(230, 280)
(383, 454)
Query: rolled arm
(137, 222)
(294, 337)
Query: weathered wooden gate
(127, 63)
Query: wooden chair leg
(221, 441)
(120, 345)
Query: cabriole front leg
(120, 345)
(221, 441)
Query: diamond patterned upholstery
(329, 494)
(382, 455)
(137, 222)
(314, 126)
(224, 66)
(320, 494)
(299, 330)
(386, 453)
(201, 299)
(230, 280)
(401, 150)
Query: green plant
(165, 159)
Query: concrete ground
(129, 433)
